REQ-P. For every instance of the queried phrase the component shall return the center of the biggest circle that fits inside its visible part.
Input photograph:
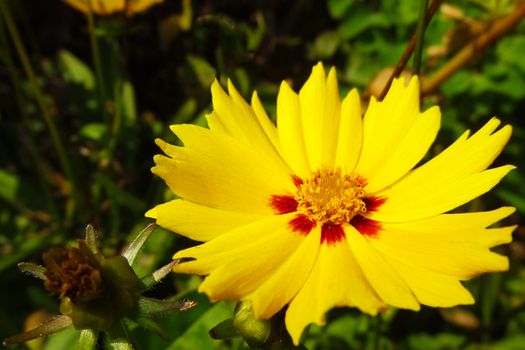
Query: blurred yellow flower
(109, 7)
(326, 209)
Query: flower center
(329, 196)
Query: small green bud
(255, 332)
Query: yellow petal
(431, 288)
(427, 198)
(238, 261)
(80, 5)
(320, 109)
(463, 227)
(330, 120)
(312, 99)
(386, 282)
(215, 124)
(215, 170)
(138, 6)
(448, 180)
(268, 126)
(198, 222)
(410, 149)
(460, 253)
(386, 124)
(350, 132)
(279, 288)
(108, 7)
(290, 129)
(240, 121)
(336, 280)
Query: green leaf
(338, 8)
(197, 337)
(129, 110)
(75, 71)
(359, 20)
(94, 131)
(54, 325)
(34, 270)
(510, 343)
(8, 186)
(149, 307)
(325, 45)
(152, 279)
(137, 243)
(204, 72)
(65, 340)
(442, 341)
(511, 50)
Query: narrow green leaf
(150, 280)
(137, 243)
(92, 239)
(33, 270)
(129, 110)
(149, 307)
(54, 325)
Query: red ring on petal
(373, 202)
(302, 224)
(283, 204)
(366, 227)
(332, 233)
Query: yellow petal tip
(152, 213)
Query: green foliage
(155, 69)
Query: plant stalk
(474, 48)
(46, 112)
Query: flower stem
(408, 51)
(374, 326)
(6, 57)
(95, 52)
(420, 34)
(494, 32)
(46, 112)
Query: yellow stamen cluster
(331, 196)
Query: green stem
(95, 52)
(46, 112)
(374, 334)
(29, 143)
(420, 35)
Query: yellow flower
(109, 7)
(325, 209)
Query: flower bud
(255, 332)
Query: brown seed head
(73, 272)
